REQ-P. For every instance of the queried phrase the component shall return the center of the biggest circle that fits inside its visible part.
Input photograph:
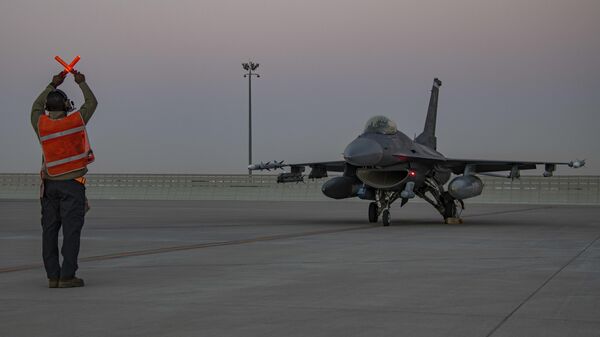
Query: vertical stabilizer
(427, 137)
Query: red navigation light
(401, 157)
(412, 173)
(68, 67)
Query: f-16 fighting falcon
(384, 165)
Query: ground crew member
(66, 153)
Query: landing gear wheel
(373, 209)
(386, 218)
(450, 210)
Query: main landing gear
(431, 191)
(449, 207)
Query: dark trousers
(63, 205)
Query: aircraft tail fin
(427, 137)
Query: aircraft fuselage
(381, 160)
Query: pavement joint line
(228, 243)
(550, 278)
(325, 262)
(170, 249)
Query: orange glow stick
(68, 67)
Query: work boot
(52, 283)
(70, 283)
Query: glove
(57, 80)
(78, 77)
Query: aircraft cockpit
(381, 125)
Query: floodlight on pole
(250, 67)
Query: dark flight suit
(63, 199)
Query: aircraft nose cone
(363, 152)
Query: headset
(69, 104)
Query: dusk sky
(520, 78)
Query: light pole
(250, 67)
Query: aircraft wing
(459, 166)
(332, 166)
(456, 166)
(318, 169)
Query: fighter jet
(384, 165)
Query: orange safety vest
(64, 143)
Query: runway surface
(241, 268)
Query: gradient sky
(520, 78)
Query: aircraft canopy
(382, 125)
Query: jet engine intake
(381, 179)
(465, 187)
(341, 187)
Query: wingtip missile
(577, 163)
(270, 165)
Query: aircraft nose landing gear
(373, 212)
(382, 207)
(386, 218)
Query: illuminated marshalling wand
(69, 68)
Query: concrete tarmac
(215, 268)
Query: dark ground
(212, 268)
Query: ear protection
(69, 104)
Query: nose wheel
(373, 212)
(386, 218)
(382, 207)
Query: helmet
(57, 100)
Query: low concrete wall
(536, 190)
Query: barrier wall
(535, 190)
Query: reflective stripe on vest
(64, 143)
(62, 133)
(66, 160)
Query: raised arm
(90, 104)
(39, 105)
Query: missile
(577, 163)
(274, 165)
